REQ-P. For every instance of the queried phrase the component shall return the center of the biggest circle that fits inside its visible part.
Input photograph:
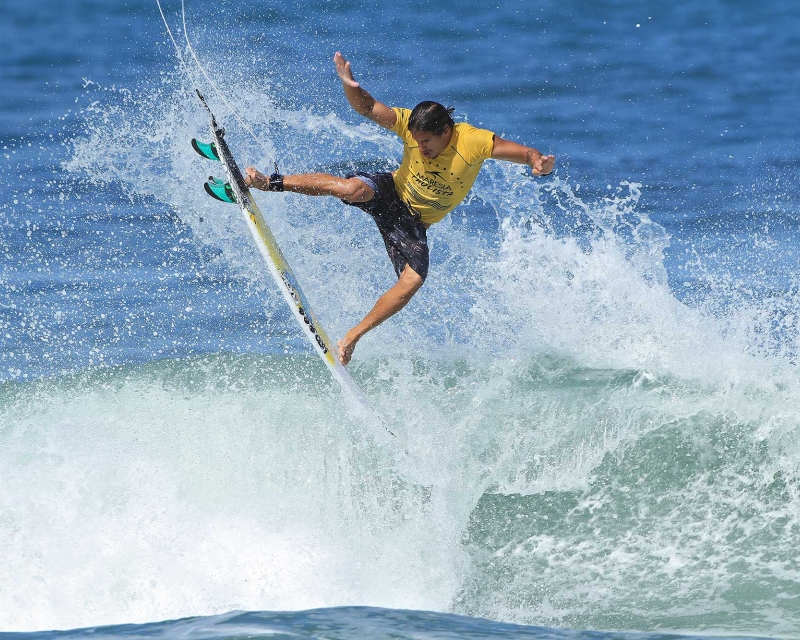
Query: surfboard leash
(269, 153)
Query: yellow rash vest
(433, 187)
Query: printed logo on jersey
(434, 186)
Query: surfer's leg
(387, 305)
(323, 184)
(315, 184)
(406, 243)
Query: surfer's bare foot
(346, 346)
(343, 70)
(254, 178)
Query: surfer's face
(431, 145)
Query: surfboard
(235, 190)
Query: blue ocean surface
(596, 393)
(340, 623)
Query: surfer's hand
(255, 179)
(344, 71)
(541, 165)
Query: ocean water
(596, 394)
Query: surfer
(441, 160)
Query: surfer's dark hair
(431, 117)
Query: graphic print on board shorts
(405, 237)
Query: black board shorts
(404, 235)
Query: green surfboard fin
(219, 190)
(206, 150)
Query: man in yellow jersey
(441, 160)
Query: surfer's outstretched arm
(359, 98)
(539, 163)
(387, 305)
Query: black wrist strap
(275, 182)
